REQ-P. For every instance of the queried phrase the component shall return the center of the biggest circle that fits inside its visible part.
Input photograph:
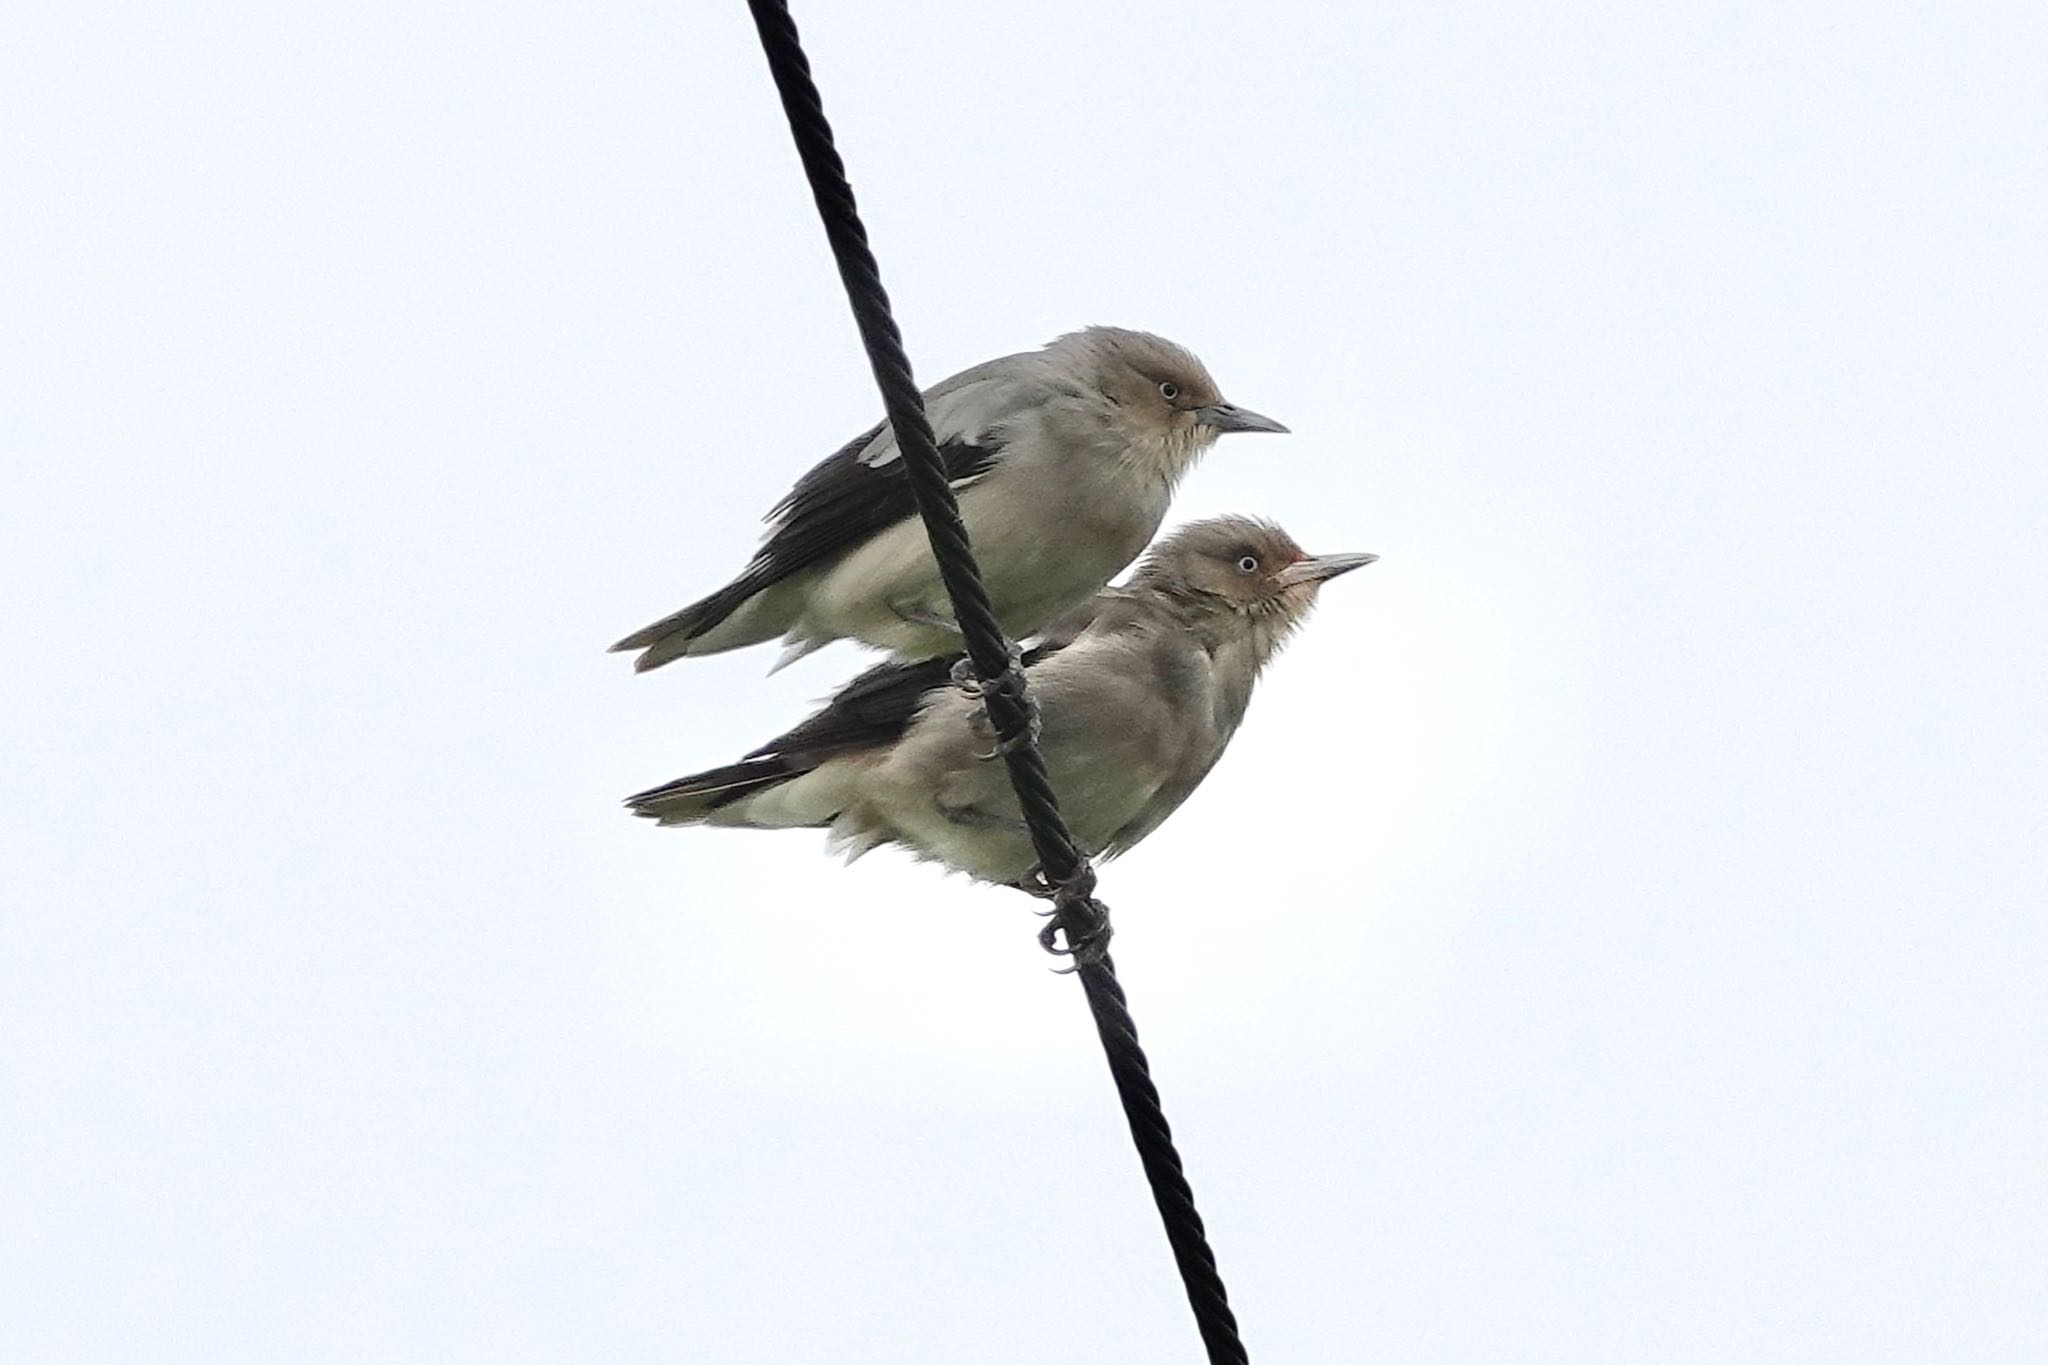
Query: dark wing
(876, 708)
(833, 508)
(841, 502)
(872, 711)
(863, 488)
(852, 494)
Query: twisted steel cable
(1069, 879)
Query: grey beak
(1318, 568)
(1231, 417)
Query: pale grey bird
(1138, 692)
(1064, 460)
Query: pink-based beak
(1318, 568)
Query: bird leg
(924, 614)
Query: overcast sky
(1616, 935)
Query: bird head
(1244, 574)
(1161, 395)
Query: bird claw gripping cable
(1011, 685)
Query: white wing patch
(962, 410)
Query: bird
(1064, 460)
(1138, 691)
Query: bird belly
(886, 593)
(1037, 560)
(941, 803)
(1041, 567)
(988, 849)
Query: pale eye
(1248, 564)
(1169, 390)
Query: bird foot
(1011, 680)
(1075, 914)
(1033, 730)
(969, 680)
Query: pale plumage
(1064, 461)
(1139, 691)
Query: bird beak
(1317, 568)
(1231, 417)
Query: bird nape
(1139, 690)
(1064, 460)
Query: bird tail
(694, 799)
(744, 612)
(777, 792)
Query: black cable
(1065, 868)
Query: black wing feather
(691, 798)
(874, 709)
(841, 502)
(871, 712)
(834, 507)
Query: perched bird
(1064, 460)
(1138, 692)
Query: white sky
(1617, 934)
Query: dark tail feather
(669, 638)
(690, 800)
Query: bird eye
(1248, 564)
(1169, 390)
